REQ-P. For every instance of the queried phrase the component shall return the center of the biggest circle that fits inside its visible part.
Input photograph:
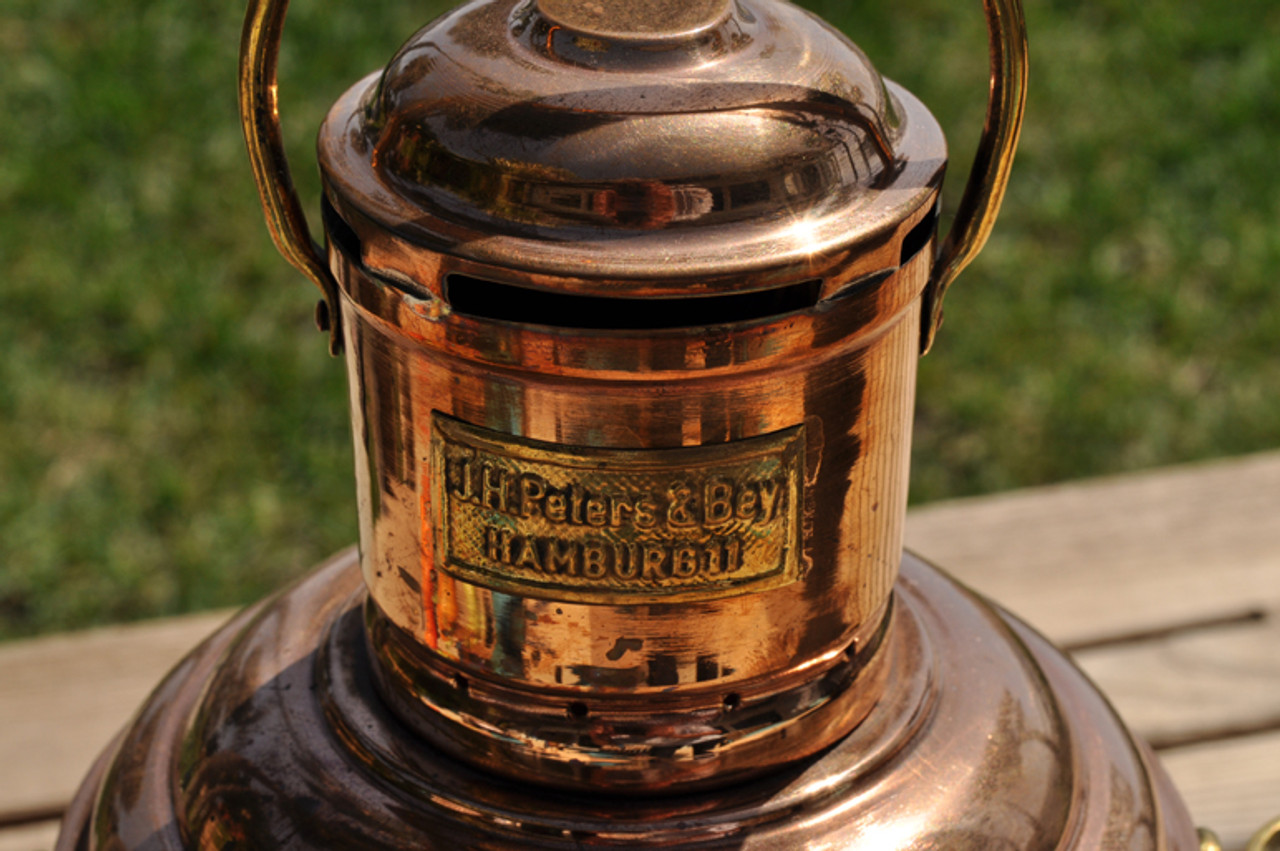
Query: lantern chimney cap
(636, 20)
(631, 138)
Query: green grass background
(173, 435)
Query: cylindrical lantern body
(632, 350)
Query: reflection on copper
(632, 435)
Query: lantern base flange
(271, 735)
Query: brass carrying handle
(984, 191)
(260, 119)
(1266, 839)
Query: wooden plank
(1195, 685)
(29, 837)
(1105, 557)
(1231, 787)
(65, 696)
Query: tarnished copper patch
(617, 526)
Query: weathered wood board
(1107, 558)
(62, 698)
(38, 836)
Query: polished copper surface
(616, 20)
(622, 462)
(631, 296)
(762, 141)
(272, 735)
(834, 378)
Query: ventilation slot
(509, 303)
(340, 233)
(918, 237)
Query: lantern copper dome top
(632, 140)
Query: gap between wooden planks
(39, 836)
(1168, 582)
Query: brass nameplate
(617, 526)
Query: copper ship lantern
(631, 294)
